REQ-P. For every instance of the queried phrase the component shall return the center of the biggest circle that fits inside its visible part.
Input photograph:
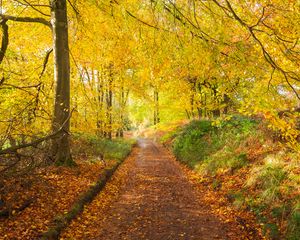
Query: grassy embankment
(243, 160)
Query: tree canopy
(150, 61)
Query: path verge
(60, 222)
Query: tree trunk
(226, 101)
(192, 97)
(156, 108)
(4, 41)
(60, 145)
(100, 104)
(122, 108)
(109, 102)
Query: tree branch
(265, 52)
(34, 6)
(46, 61)
(26, 19)
(136, 18)
(36, 142)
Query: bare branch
(34, 6)
(46, 61)
(74, 8)
(135, 17)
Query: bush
(190, 146)
(210, 148)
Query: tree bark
(100, 104)
(60, 145)
(5, 40)
(156, 108)
(109, 102)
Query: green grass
(269, 178)
(93, 146)
(116, 149)
(209, 148)
(294, 223)
(169, 136)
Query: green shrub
(240, 123)
(222, 146)
(203, 146)
(190, 146)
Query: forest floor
(52, 190)
(152, 196)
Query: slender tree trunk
(100, 99)
(215, 112)
(156, 108)
(192, 97)
(226, 100)
(122, 108)
(109, 101)
(110, 96)
(60, 145)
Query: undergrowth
(241, 152)
(93, 147)
(210, 148)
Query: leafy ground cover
(33, 199)
(247, 166)
(86, 225)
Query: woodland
(216, 82)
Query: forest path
(157, 202)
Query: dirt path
(156, 203)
